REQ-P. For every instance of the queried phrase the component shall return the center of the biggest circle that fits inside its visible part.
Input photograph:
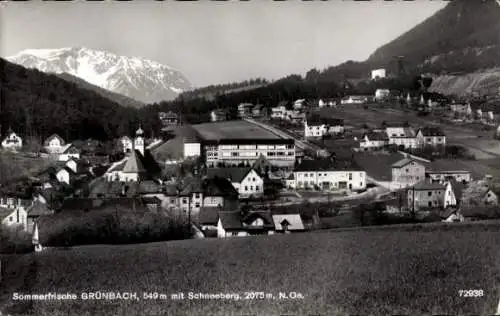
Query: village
(253, 175)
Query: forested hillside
(38, 104)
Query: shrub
(15, 240)
(110, 227)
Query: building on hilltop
(12, 141)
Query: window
(253, 179)
(429, 193)
(172, 201)
(251, 188)
(234, 154)
(184, 200)
(407, 170)
(430, 204)
(350, 176)
(305, 175)
(257, 188)
(361, 184)
(197, 195)
(439, 139)
(246, 188)
(311, 174)
(11, 219)
(197, 205)
(234, 234)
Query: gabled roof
(427, 186)
(381, 136)
(209, 215)
(294, 221)
(38, 209)
(47, 141)
(234, 174)
(230, 220)
(150, 200)
(250, 216)
(326, 165)
(219, 187)
(403, 162)
(134, 164)
(430, 131)
(70, 149)
(319, 120)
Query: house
(461, 108)
(13, 217)
(127, 144)
(219, 115)
(279, 112)
(54, 144)
(65, 175)
(431, 136)
(284, 223)
(373, 140)
(326, 103)
(208, 220)
(299, 104)
(12, 141)
(138, 165)
(34, 212)
(317, 126)
(354, 99)
(407, 172)
(258, 110)
(169, 118)
(381, 94)
(68, 151)
(378, 73)
(327, 174)
(241, 223)
(295, 116)
(247, 182)
(245, 109)
(426, 194)
(402, 136)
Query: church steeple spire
(139, 140)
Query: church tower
(139, 141)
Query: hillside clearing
(388, 271)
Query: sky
(216, 42)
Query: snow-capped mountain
(138, 78)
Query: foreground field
(376, 271)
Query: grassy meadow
(14, 166)
(411, 270)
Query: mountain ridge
(141, 79)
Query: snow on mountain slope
(138, 78)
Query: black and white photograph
(253, 158)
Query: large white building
(316, 126)
(279, 152)
(12, 141)
(373, 141)
(379, 73)
(382, 93)
(327, 174)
